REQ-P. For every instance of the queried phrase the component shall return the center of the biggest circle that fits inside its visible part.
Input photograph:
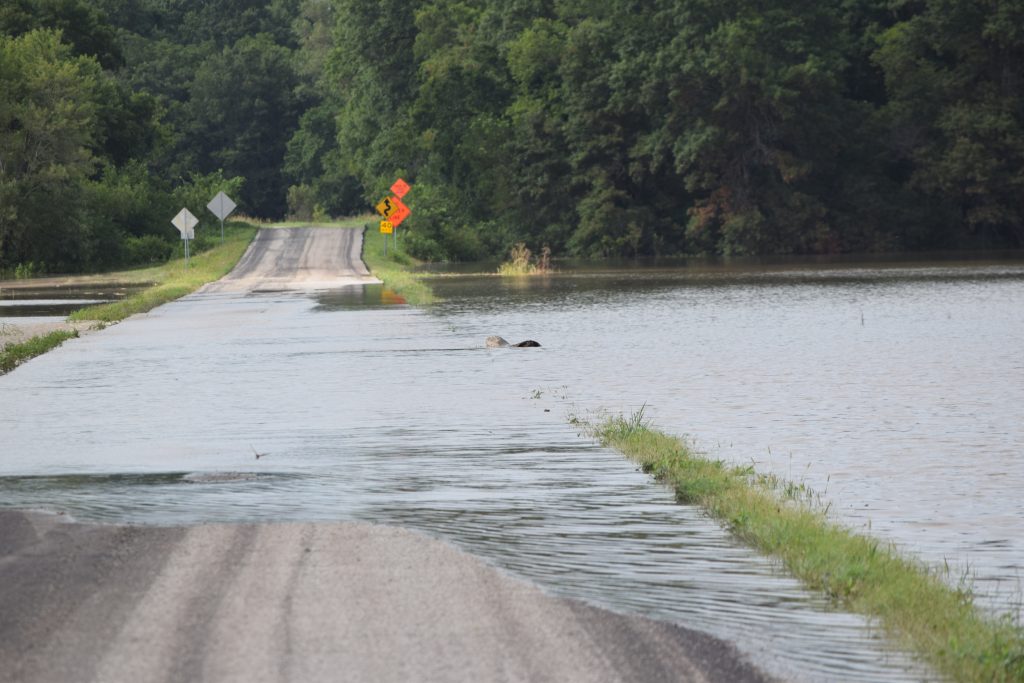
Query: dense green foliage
(86, 180)
(688, 126)
(596, 128)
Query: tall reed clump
(522, 261)
(13, 355)
(915, 603)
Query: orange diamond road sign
(400, 188)
(400, 213)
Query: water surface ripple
(398, 416)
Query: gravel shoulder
(306, 602)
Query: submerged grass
(13, 355)
(394, 269)
(174, 280)
(914, 602)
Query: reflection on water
(23, 299)
(899, 390)
(366, 296)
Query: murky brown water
(895, 392)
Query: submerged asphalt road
(305, 602)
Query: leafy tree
(955, 72)
(313, 161)
(371, 72)
(48, 124)
(242, 112)
(82, 25)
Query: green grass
(173, 280)
(13, 355)
(916, 604)
(395, 269)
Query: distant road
(298, 259)
(306, 603)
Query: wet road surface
(305, 601)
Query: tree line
(596, 128)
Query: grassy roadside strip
(910, 599)
(13, 355)
(173, 280)
(394, 270)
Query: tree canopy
(612, 128)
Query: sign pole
(221, 206)
(185, 222)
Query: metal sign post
(221, 206)
(186, 223)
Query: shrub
(147, 250)
(301, 203)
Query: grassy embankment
(173, 280)
(170, 281)
(912, 601)
(395, 269)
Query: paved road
(306, 602)
(298, 259)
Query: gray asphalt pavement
(298, 259)
(306, 602)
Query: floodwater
(25, 303)
(896, 392)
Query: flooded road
(372, 411)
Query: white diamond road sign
(185, 222)
(221, 206)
